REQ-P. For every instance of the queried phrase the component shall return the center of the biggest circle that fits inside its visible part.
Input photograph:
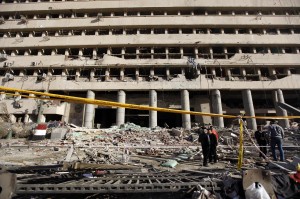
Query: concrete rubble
(133, 149)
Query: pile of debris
(132, 149)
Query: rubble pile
(131, 148)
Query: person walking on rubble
(262, 141)
(204, 139)
(213, 146)
(276, 134)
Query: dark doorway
(53, 117)
(105, 116)
(138, 117)
(172, 119)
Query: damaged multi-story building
(225, 57)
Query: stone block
(58, 133)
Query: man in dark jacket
(204, 139)
(276, 134)
(213, 146)
(262, 141)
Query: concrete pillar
(217, 108)
(107, 74)
(225, 52)
(94, 53)
(196, 52)
(2, 96)
(40, 52)
(122, 74)
(137, 52)
(278, 97)
(185, 105)
(92, 75)
(12, 118)
(243, 72)
(137, 74)
(26, 118)
(77, 75)
(89, 112)
(213, 72)
(67, 52)
(152, 114)
(80, 53)
(202, 104)
(123, 52)
(287, 71)
(43, 119)
(167, 53)
(120, 119)
(181, 52)
(249, 108)
(228, 73)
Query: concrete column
(92, 75)
(137, 52)
(196, 52)
(152, 53)
(77, 75)
(152, 114)
(167, 53)
(278, 97)
(122, 74)
(67, 53)
(287, 71)
(225, 52)
(181, 52)
(217, 108)
(228, 73)
(43, 119)
(137, 74)
(107, 74)
(120, 119)
(202, 104)
(89, 112)
(243, 72)
(249, 108)
(123, 53)
(26, 118)
(185, 105)
(80, 53)
(211, 52)
(213, 72)
(12, 118)
(94, 53)
(2, 96)
(168, 74)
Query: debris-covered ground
(138, 161)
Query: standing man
(213, 146)
(214, 131)
(205, 143)
(262, 141)
(277, 134)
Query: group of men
(208, 137)
(272, 136)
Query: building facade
(227, 57)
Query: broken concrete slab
(176, 132)
(58, 133)
(7, 184)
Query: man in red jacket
(214, 131)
